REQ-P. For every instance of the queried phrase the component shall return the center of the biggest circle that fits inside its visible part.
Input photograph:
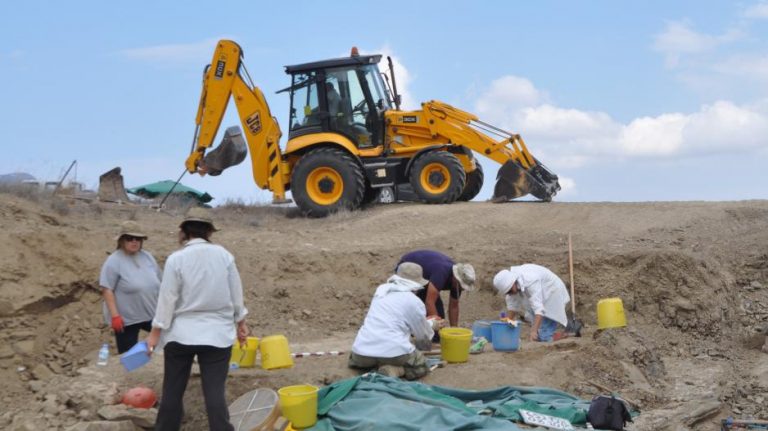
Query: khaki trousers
(414, 363)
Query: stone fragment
(144, 418)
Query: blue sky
(625, 101)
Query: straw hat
(130, 227)
(465, 274)
(199, 215)
(412, 271)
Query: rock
(26, 347)
(144, 418)
(704, 411)
(306, 313)
(756, 285)
(84, 414)
(36, 386)
(6, 308)
(6, 352)
(41, 372)
(103, 426)
(26, 426)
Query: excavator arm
(520, 174)
(222, 80)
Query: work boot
(391, 371)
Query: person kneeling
(395, 315)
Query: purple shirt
(437, 267)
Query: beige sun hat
(130, 227)
(465, 274)
(412, 271)
(199, 215)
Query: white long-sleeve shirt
(201, 296)
(542, 292)
(391, 320)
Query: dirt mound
(692, 277)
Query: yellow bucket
(275, 353)
(299, 404)
(610, 313)
(454, 344)
(245, 358)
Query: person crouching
(395, 315)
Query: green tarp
(163, 187)
(376, 402)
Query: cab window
(305, 103)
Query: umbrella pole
(171, 190)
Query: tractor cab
(344, 95)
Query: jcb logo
(219, 73)
(409, 119)
(254, 123)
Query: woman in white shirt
(534, 289)
(200, 312)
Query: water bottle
(103, 355)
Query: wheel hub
(436, 179)
(326, 185)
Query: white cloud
(679, 38)
(174, 53)
(567, 186)
(403, 77)
(757, 11)
(572, 138)
(657, 136)
(753, 67)
(505, 96)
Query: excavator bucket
(230, 152)
(513, 181)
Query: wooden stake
(570, 269)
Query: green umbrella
(163, 187)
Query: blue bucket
(506, 338)
(136, 357)
(482, 328)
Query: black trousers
(214, 366)
(130, 335)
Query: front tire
(474, 183)
(437, 177)
(327, 180)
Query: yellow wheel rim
(325, 186)
(435, 178)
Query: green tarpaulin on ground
(163, 187)
(376, 402)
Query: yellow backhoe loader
(350, 144)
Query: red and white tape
(305, 354)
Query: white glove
(437, 323)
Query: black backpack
(608, 413)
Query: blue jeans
(547, 329)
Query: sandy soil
(692, 277)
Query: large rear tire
(474, 183)
(327, 180)
(437, 177)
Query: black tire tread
(310, 208)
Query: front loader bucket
(513, 181)
(230, 152)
